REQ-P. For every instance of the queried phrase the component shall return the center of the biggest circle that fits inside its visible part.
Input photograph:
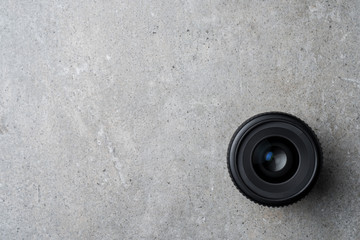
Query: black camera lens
(274, 158)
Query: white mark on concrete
(335, 15)
(108, 57)
(101, 131)
(152, 14)
(3, 129)
(119, 163)
(200, 220)
(312, 8)
(212, 19)
(64, 71)
(344, 37)
(82, 68)
(318, 10)
(351, 80)
(100, 135)
(110, 148)
(118, 166)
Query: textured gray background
(115, 116)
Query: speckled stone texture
(115, 116)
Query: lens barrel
(274, 158)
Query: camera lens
(274, 158)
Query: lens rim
(296, 131)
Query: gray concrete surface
(115, 116)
